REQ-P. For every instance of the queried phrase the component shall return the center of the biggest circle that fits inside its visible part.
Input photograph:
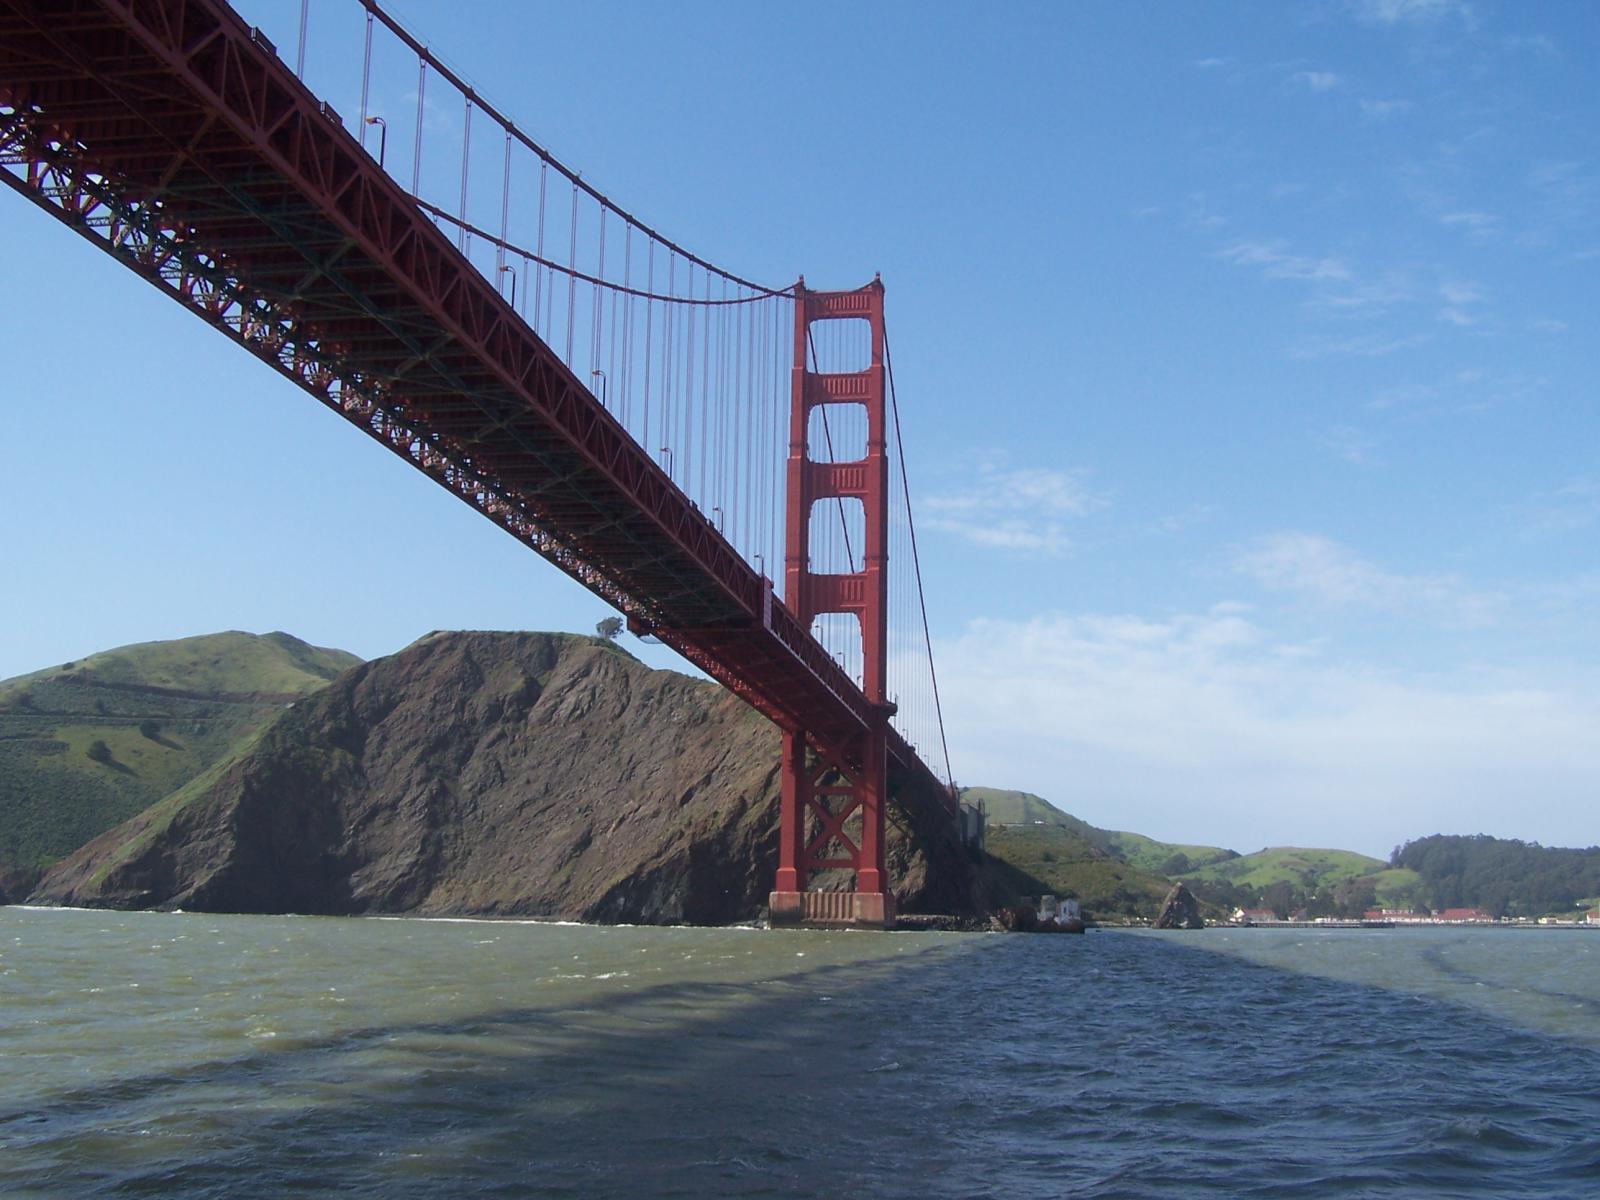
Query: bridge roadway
(171, 135)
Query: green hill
(1033, 859)
(1019, 808)
(1007, 808)
(1306, 870)
(87, 744)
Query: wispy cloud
(1352, 445)
(1212, 64)
(1330, 575)
(1014, 508)
(1382, 110)
(1414, 12)
(1458, 295)
(1332, 282)
(1117, 716)
(1314, 81)
(1571, 507)
(1468, 390)
(1460, 291)
(1364, 345)
(1276, 261)
(1566, 199)
(1480, 226)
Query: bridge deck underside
(169, 114)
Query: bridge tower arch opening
(834, 793)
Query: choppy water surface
(188, 1055)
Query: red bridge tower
(832, 807)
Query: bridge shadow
(771, 1086)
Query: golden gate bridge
(718, 458)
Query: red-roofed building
(1255, 916)
(1465, 914)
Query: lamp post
(601, 376)
(507, 269)
(383, 136)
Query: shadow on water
(1105, 1066)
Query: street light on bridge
(383, 136)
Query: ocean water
(181, 1055)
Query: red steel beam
(169, 136)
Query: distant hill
(1019, 808)
(1146, 853)
(89, 743)
(1305, 869)
(492, 773)
(1051, 858)
(1507, 876)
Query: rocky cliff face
(489, 773)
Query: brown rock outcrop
(1180, 910)
(490, 773)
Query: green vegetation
(219, 664)
(1162, 858)
(1066, 864)
(1503, 875)
(86, 745)
(1017, 808)
(1308, 870)
(1145, 853)
(1326, 883)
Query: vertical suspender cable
(572, 277)
(416, 148)
(463, 238)
(539, 271)
(366, 80)
(505, 209)
(649, 333)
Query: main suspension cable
(916, 559)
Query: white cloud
(1573, 506)
(1413, 12)
(1014, 508)
(1382, 110)
(1352, 445)
(1314, 81)
(1204, 727)
(1367, 345)
(1278, 262)
(1469, 390)
(1211, 64)
(1460, 292)
(1332, 576)
(1480, 226)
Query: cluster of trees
(1349, 898)
(1503, 875)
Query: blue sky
(1247, 354)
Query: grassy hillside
(1067, 864)
(1397, 887)
(1303, 869)
(1019, 808)
(88, 744)
(217, 664)
(1145, 853)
